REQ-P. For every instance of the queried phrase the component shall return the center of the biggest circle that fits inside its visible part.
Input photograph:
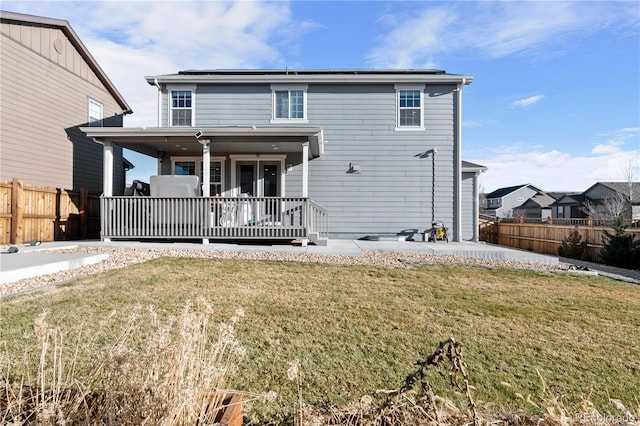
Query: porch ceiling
(157, 141)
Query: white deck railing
(212, 218)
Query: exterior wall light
(354, 168)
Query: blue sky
(556, 96)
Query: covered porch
(216, 183)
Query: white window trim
(258, 159)
(400, 87)
(182, 87)
(198, 163)
(289, 87)
(99, 104)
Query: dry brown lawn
(359, 329)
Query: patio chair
(228, 217)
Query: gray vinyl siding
(468, 212)
(45, 97)
(600, 192)
(241, 105)
(392, 192)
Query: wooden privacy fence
(545, 237)
(46, 214)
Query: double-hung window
(410, 108)
(215, 177)
(181, 107)
(289, 103)
(95, 113)
(193, 166)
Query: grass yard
(359, 329)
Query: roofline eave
(124, 136)
(204, 132)
(310, 78)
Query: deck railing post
(106, 218)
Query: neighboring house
(603, 200)
(571, 205)
(502, 202)
(355, 147)
(51, 86)
(612, 198)
(538, 206)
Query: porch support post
(206, 174)
(206, 167)
(107, 169)
(107, 180)
(305, 169)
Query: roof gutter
(309, 78)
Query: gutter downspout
(155, 83)
(457, 236)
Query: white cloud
(493, 29)
(527, 101)
(617, 139)
(605, 149)
(472, 123)
(553, 170)
(621, 135)
(415, 40)
(165, 37)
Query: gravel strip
(122, 257)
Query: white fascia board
(474, 169)
(319, 78)
(102, 132)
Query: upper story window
(181, 107)
(95, 113)
(410, 108)
(289, 103)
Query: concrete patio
(33, 261)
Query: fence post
(17, 211)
